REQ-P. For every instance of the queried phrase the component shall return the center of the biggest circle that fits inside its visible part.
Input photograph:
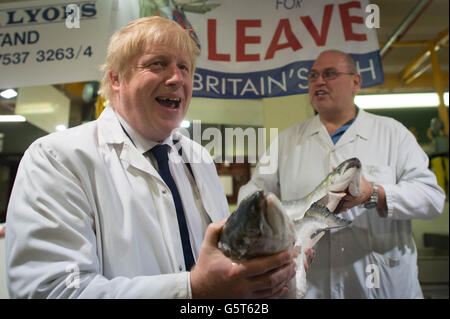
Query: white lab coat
(88, 218)
(348, 260)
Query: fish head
(327, 219)
(249, 211)
(258, 226)
(316, 221)
(346, 177)
(261, 211)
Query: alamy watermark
(215, 141)
(373, 277)
(73, 16)
(373, 18)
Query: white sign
(50, 42)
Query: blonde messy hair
(129, 42)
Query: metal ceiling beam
(405, 25)
(412, 72)
(407, 44)
(418, 73)
(408, 73)
(437, 78)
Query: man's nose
(174, 76)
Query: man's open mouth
(320, 92)
(171, 102)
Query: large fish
(259, 226)
(345, 178)
(262, 225)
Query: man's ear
(114, 79)
(357, 83)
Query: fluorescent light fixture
(37, 108)
(185, 124)
(400, 100)
(61, 127)
(12, 118)
(8, 94)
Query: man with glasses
(376, 256)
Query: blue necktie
(160, 152)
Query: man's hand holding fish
(367, 191)
(260, 277)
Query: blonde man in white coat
(376, 256)
(91, 217)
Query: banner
(265, 48)
(51, 42)
(249, 48)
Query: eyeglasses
(327, 74)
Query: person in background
(376, 256)
(124, 206)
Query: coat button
(180, 268)
(164, 191)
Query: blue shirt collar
(340, 131)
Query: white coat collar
(316, 128)
(357, 129)
(110, 131)
(112, 135)
(360, 125)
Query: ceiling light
(185, 124)
(12, 118)
(8, 94)
(401, 100)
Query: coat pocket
(392, 277)
(379, 173)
